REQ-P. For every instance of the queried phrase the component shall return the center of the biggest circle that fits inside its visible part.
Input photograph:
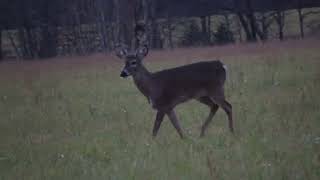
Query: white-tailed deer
(166, 89)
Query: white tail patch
(225, 67)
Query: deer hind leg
(226, 106)
(213, 109)
(174, 120)
(157, 123)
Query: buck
(202, 81)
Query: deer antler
(121, 50)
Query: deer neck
(143, 81)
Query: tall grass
(69, 120)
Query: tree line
(43, 29)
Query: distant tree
(1, 56)
(279, 17)
(302, 15)
(248, 20)
(223, 35)
(38, 28)
(205, 29)
(170, 25)
(265, 19)
(49, 33)
(154, 26)
(192, 35)
(5, 7)
(169, 28)
(104, 16)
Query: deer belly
(170, 100)
(166, 102)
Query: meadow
(75, 118)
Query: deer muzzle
(124, 73)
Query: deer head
(133, 59)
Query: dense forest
(42, 29)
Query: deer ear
(142, 52)
(121, 51)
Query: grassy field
(74, 118)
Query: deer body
(166, 89)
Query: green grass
(84, 122)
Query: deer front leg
(227, 107)
(173, 118)
(157, 123)
(213, 111)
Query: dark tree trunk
(27, 44)
(22, 42)
(130, 20)
(239, 30)
(155, 33)
(146, 11)
(301, 22)
(252, 20)
(27, 36)
(125, 19)
(48, 44)
(281, 33)
(48, 34)
(204, 29)
(31, 40)
(301, 18)
(1, 54)
(203, 25)
(227, 20)
(259, 32)
(142, 36)
(101, 25)
(14, 45)
(103, 31)
(116, 28)
(264, 27)
(253, 27)
(169, 27)
(209, 29)
(280, 22)
(245, 27)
